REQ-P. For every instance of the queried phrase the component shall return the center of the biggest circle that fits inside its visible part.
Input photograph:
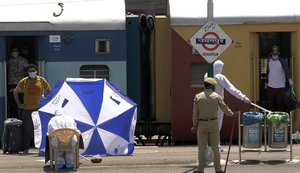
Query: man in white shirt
(279, 76)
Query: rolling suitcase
(12, 140)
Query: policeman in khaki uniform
(205, 122)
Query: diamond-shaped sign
(210, 41)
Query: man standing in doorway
(16, 68)
(279, 76)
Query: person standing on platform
(224, 83)
(205, 122)
(34, 88)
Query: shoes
(198, 171)
(221, 149)
(96, 159)
(209, 163)
(60, 166)
(26, 152)
(69, 165)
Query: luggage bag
(12, 139)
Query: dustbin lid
(278, 118)
(253, 118)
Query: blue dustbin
(278, 129)
(252, 129)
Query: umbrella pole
(85, 158)
(96, 159)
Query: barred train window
(94, 71)
(197, 72)
(102, 46)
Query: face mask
(32, 75)
(15, 54)
(275, 56)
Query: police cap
(210, 81)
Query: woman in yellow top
(33, 87)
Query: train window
(94, 71)
(102, 46)
(197, 72)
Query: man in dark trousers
(205, 122)
(279, 77)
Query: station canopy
(194, 12)
(38, 15)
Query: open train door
(266, 40)
(28, 47)
(2, 85)
(263, 42)
(260, 52)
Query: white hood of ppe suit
(61, 120)
(224, 83)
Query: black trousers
(275, 99)
(27, 128)
(13, 110)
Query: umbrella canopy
(105, 116)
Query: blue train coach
(72, 38)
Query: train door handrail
(254, 79)
(41, 66)
(5, 87)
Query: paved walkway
(157, 159)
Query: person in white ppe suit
(61, 120)
(224, 83)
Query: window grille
(102, 46)
(94, 71)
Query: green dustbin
(278, 129)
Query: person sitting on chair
(61, 120)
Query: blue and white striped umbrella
(105, 116)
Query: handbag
(289, 99)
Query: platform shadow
(274, 162)
(250, 162)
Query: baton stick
(259, 107)
(230, 142)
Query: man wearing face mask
(278, 77)
(16, 66)
(205, 122)
(33, 87)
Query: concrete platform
(157, 159)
